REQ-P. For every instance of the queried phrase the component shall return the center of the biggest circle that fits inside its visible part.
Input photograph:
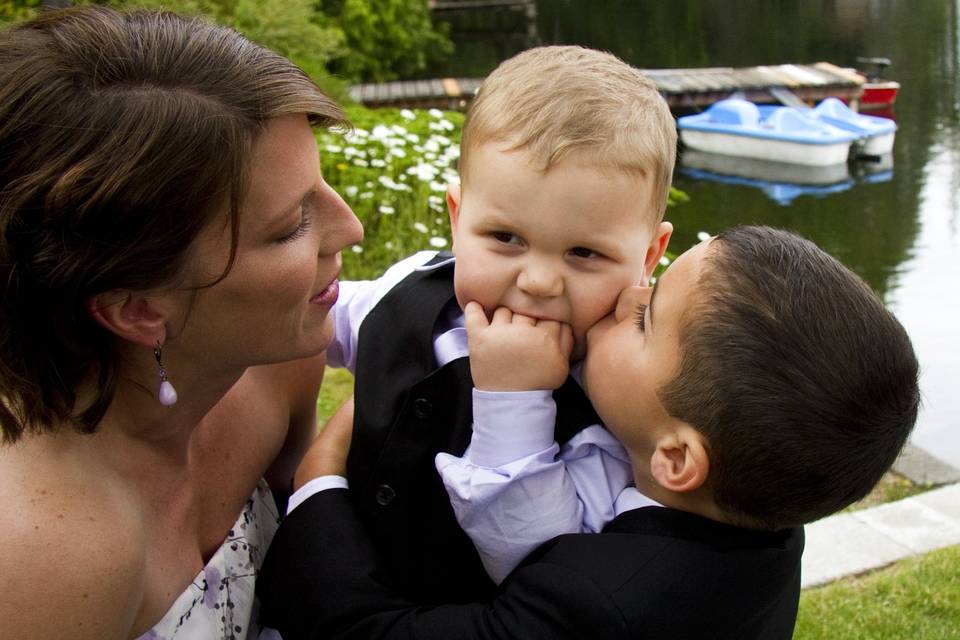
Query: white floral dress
(220, 601)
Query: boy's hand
(327, 456)
(514, 352)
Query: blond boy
(567, 157)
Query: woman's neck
(136, 414)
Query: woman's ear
(680, 463)
(135, 317)
(656, 249)
(453, 206)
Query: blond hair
(551, 101)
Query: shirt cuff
(313, 487)
(510, 425)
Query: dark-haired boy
(760, 386)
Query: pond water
(898, 227)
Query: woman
(168, 257)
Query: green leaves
(387, 39)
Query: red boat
(877, 92)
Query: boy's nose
(631, 298)
(540, 281)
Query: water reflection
(782, 182)
(925, 297)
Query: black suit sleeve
(321, 580)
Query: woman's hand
(327, 455)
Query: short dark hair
(122, 135)
(804, 385)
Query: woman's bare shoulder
(72, 551)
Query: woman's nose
(343, 228)
(630, 299)
(540, 280)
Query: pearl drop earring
(167, 395)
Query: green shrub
(386, 39)
(17, 10)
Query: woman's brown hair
(122, 135)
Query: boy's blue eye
(640, 315)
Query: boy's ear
(680, 462)
(132, 316)
(453, 205)
(655, 250)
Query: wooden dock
(684, 89)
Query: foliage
(17, 10)
(387, 39)
(915, 598)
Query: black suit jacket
(653, 573)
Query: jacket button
(385, 495)
(422, 408)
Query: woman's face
(274, 303)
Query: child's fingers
(502, 315)
(519, 318)
(474, 317)
(550, 327)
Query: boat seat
(833, 108)
(790, 120)
(735, 111)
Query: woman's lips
(329, 295)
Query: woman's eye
(583, 252)
(640, 315)
(300, 230)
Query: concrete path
(851, 543)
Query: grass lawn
(915, 599)
(337, 386)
